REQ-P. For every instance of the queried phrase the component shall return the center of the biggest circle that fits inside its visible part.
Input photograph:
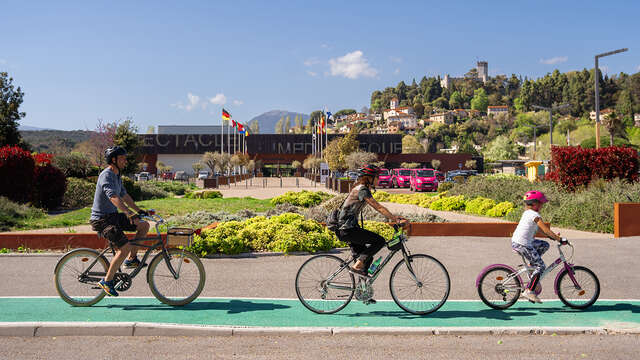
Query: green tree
(254, 127)
(279, 126)
(624, 105)
(480, 100)
(456, 100)
(287, 124)
(126, 136)
(419, 109)
(344, 112)
(410, 145)
(338, 149)
(501, 149)
(10, 114)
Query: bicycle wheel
(322, 286)
(425, 295)
(73, 287)
(183, 290)
(585, 295)
(499, 288)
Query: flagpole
(222, 136)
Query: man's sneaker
(531, 296)
(108, 287)
(132, 264)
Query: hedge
(16, 173)
(302, 198)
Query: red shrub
(49, 186)
(575, 166)
(16, 173)
(42, 159)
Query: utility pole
(550, 110)
(535, 141)
(596, 76)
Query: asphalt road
(326, 347)
(613, 260)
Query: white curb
(30, 329)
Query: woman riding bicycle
(364, 243)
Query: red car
(423, 179)
(384, 178)
(439, 176)
(401, 178)
(167, 175)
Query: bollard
(297, 182)
(280, 181)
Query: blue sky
(169, 62)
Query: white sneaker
(531, 296)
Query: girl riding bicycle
(524, 243)
(363, 242)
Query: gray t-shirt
(109, 185)
(355, 202)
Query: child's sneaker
(108, 287)
(531, 296)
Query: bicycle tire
(66, 279)
(317, 284)
(194, 274)
(425, 278)
(485, 288)
(581, 274)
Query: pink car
(384, 178)
(423, 179)
(401, 178)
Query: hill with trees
(620, 92)
(267, 122)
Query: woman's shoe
(362, 272)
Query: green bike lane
(248, 312)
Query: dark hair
(531, 202)
(366, 180)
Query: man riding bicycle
(110, 196)
(363, 242)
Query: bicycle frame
(560, 260)
(376, 273)
(137, 242)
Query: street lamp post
(535, 141)
(597, 77)
(550, 110)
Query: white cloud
(314, 74)
(554, 60)
(352, 66)
(238, 102)
(219, 99)
(311, 61)
(396, 60)
(193, 101)
(324, 46)
(396, 71)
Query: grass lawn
(164, 207)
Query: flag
(225, 114)
(240, 127)
(246, 132)
(322, 121)
(233, 123)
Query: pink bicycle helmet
(535, 195)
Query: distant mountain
(269, 119)
(44, 140)
(31, 128)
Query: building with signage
(182, 146)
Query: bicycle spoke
(425, 295)
(316, 291)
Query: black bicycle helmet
(369, 170)
(113, 152)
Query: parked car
(423, 179)
(384, 178)
(464, 173)
(167, 175)
(180, 175)
(401, 178)
(144, 176)
(439, 176)
(203, 174)
(352, 175)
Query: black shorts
(112, 227)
